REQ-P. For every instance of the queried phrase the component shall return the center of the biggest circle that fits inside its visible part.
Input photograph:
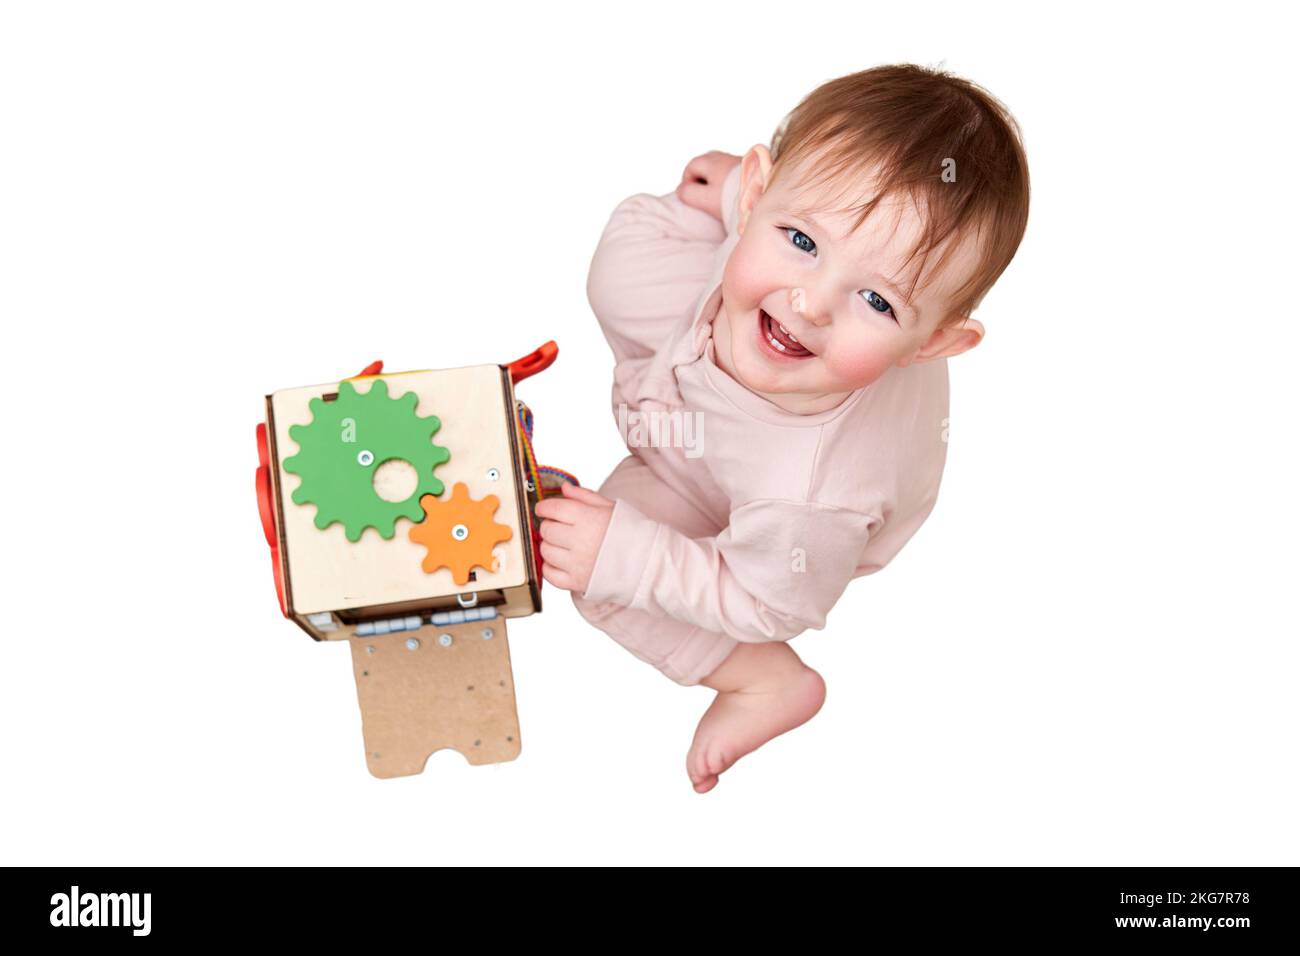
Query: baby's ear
(755, 170)
(948, 341)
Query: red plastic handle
(535, 361)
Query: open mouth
(777, 340)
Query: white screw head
(365, 458)
(412, 644)
(493, 474)
(460, 532)
(444, 640)
(487, 633)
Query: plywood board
(455, 692)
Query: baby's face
(810, 313)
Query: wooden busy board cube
(333, 583)
(397, 507)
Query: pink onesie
(736, 520)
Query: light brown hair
(903, 125)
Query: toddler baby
(783, 321)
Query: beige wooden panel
(329, 573)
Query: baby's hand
(571, 539)
(701, 185)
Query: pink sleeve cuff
(624, 552)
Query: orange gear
(459, 533)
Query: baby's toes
(702, 782)
(703, 764)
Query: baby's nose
(804, 304)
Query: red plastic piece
(264, 510)
(374, 368)
(535, 361)
(537, 553)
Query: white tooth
(788, 332)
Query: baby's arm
(775, 571)
(654, 256)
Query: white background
(1086, 656)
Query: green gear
(346, 441)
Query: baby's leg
(763, 690)
(683, 652)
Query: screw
(365, 459)
(444, 640)
(487, 633)
(412, 644)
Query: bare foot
(763, 691)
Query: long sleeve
(652, 259)
(775, 571)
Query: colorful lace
(536, 471)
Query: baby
(783, 322)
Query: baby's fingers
(561, 579)
(697, 196)
(557, 508)
(554, 556)
(578, 493)
(556, 533)
(704, 168)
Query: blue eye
(800, 240)
(876, 302)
